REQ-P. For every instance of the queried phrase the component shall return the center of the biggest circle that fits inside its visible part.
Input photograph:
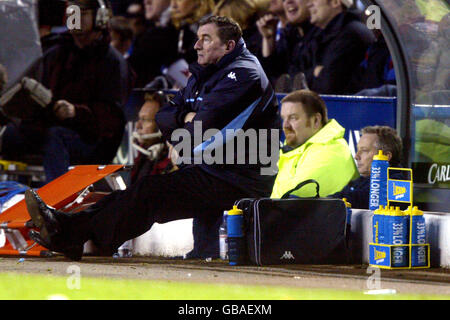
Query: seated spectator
(373, 138)
(89, 82)
(441, 88)
(377, 68)
(51, 14)
(121, 35)
(314, 148)
(280, 56)
(277, 9)
(136, 18)
(246, 13)
(335, 53)
(153, 152)
(147, 58)
(377, 74)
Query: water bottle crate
(400, 256)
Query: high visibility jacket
(325, 157)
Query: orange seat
(58, 194)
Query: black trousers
(124, 215)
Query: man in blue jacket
(373, 138)
(227, 92)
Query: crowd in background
(157, 39)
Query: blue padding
(352, 112)
(355, 113)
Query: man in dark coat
(228, 91)
(334, 53)
(89, 82)
(373, 138)
(282, 48)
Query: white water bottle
(223, 237)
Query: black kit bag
(295, 230)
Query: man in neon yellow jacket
(314, 148)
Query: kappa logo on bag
(287, 255)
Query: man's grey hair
(388, 141)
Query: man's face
(367, 148)
(276, 6)
(180, 9)
(296, 11)
(154, 8)
(322, 11)
(297, 125)
(210, 49)
(146, 123)
(120, 45)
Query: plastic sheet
(20, 45)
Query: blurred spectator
(85, 124)
(246, 13)
(157, 46)
(121, 35)
(281, 57)
(277, 9)
(153, 152)
(377, 74)
(442, 78)
(377, 68)
(136, 17)
(185, 16)
(51, 14)
(3, 78)
(119, 7)
(335, 53)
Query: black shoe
(72, 252)
(49, 235)
(42, 216)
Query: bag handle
(301, 184)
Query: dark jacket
(339, 48)
(154, 49)
(288, 50)
(232, 94)
(357, 191)
(95, 79)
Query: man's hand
(63, 109)
(317, 71)
(189, 117)
(267, 25)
